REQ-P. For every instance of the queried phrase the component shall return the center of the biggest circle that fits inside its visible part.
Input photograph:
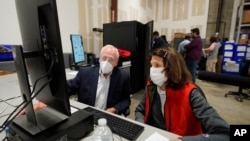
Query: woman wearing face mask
(173, 103)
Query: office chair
(240, 81)
(244, 71)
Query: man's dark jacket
(85, 86)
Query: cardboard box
(179, 35)
(2, 72)
(243, 41)
(244, 36)
(246, 17)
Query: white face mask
(157, 75)
(106, 67)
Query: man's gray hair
(111, 47)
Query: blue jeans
(192, 66)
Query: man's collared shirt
(102, 91)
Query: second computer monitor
(79, 57)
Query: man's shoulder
(120, 71)
(185, 41)
(188, 41)
(89, 69)
(159, 39)
(199, 38)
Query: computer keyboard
(122, 127)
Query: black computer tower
(136, 38)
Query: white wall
(175, 23)
(93, 14)
(140, 10)
(9, 28)
(80, 16)
(167, 14)
(68, 14)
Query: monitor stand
(76, 127)
(45, 119)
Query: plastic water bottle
(102, 132)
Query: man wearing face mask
(103, 86)
(173, 103)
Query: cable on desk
(1, 100)
(7, 121)
(4, 115)
(9, 103)
(6, 107)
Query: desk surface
(10, 88)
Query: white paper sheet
(72, 73)
(241, 48)
(156, 137)
(73, 110)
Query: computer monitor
(79, 57)
(43, 59)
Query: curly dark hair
(175, 66)
(213, 39)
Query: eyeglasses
(109, 59)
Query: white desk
(10, 88)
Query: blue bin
(6, 56)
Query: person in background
(173, 103)
(212, 52)
(103, 86)
(219, 41)
(220, 56)
(165, 39)
(182, 44)
(158, 41)
(194, 52)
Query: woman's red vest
(178, 114)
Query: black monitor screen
(77, 48)
(42, 48)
